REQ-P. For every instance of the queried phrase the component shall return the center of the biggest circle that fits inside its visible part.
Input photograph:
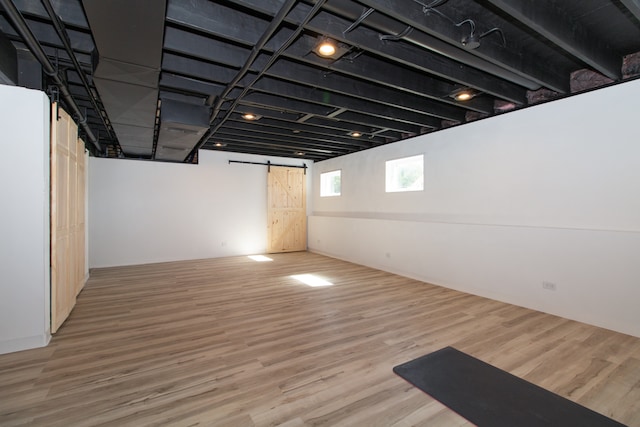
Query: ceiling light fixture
(251, 116)
(472, 41)
(329, 48)
(326, 48)
(219, 144)
(463, 94)
(356, 134)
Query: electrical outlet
(549, 286)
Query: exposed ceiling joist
(325, 97)
(336, 82)
(208, 49)
(400, 68)
(382, 72)
(296, 142)
(336, 135)
(633, 6)
(531, 68)
(546, 18)
(423, 51)
(227, 21)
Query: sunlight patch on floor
(260, 258)
(311, 280)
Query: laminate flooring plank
(234, 342)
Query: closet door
(79, 228)
(67, 216)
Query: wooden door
(287, 210)
(67, 216)
(61, 299)
(80, 221)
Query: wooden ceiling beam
(532, 68)
(551, 22)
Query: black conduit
(62, 34)
(271, 29)
(34, 46)
(273, 26)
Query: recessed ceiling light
(463, 94)
(299, 153)
(326, 48)
(329, 48)
(250, 116)
(356, 134)
(219, 144)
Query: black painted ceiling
(401, 62)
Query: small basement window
(330, 184)
(406, 174)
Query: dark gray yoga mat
(490, 397)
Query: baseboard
(24, 343)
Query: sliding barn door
(67, 216)
(287, 212)
(80, 220)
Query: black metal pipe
(271, 29)
(64, 37)
(34, 46)
(277, 20)
(275, 23)
(274, 57)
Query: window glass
(406, 174)
(330, 183)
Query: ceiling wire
(358, 21)
(434, 3)
(399, 36)
(431, 7)
(472, 41)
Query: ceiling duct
(181, 127)
(8, 62)
(128, 38)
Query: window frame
(330, 175)
(391, 178)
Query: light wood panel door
(67, 216)
(79, 224)
(287, 210)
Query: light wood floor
(234, 342)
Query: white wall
(24, 219)
(145, 212)
(550, 193)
